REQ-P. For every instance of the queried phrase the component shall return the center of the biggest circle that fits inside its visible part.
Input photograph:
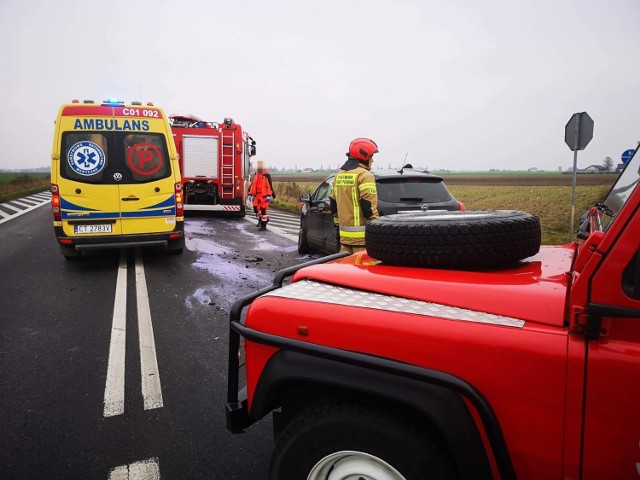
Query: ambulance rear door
(89, 198)
(146, 191)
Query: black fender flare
(442, 406)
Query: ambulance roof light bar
(112, 102)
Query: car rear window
(408, 189)
(114, 157)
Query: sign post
(577, 134)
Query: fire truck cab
(214, 162)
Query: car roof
(380, 174)
(384, 173)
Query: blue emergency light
(113, 101)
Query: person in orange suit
(260, 194)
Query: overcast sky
(456, 84)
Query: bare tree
(608, 163)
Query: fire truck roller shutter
(200, 156)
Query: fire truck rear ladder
(227, 163)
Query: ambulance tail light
(179, 200)
(55, 203)
(461, 206)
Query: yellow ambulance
(115, 179)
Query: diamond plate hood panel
(535, 290)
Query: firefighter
(354, 198)
(260, 193)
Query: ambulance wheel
(175, 247)
(70, 253)
(454, 240)
(349, 439)
(303, 244)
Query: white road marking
(151, 388)
(11, 207)
(114, 388)
(18, 210)
(143, 470)
(21, 204)
(3, 214)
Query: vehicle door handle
(130, 199)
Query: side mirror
(305, 197)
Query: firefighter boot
(263, 225)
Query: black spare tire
(464, 240)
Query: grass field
(16, 185)
(546, 196)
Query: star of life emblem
(86, 158)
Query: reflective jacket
(260, 186)
(354, 201)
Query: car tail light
(55, 203)
(179, 200)
(461, 206)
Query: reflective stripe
(357, 228)
(351, 234)
(355, 200)
(370, 187)
(345, 180)
(324, 293)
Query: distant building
(594, 169)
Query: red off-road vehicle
(456, 348)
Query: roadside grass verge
(551, 203)
(16, 185)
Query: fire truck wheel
(460, 240)
(303, 244)
(355, 440)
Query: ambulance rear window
(114, 157)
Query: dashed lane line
(142, 470)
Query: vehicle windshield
(410, 189)
(621, 190)
(114, 157)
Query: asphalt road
(97, 383)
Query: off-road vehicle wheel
(458, 240)
(347, 439)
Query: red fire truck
(214, 162)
